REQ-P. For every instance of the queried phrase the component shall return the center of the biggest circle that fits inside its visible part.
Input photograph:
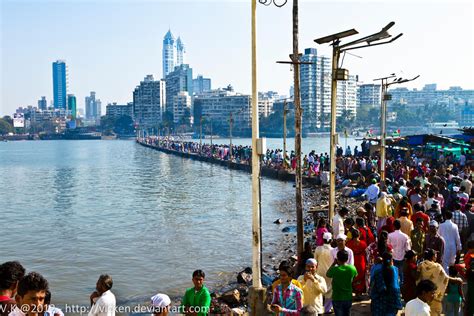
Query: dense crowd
(410, 247)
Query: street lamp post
(343, 74)
(284, 131)
(383, 117)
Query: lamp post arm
(345, 47)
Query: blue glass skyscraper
(59, 84)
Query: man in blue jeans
(342, 275)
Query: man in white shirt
(467, 184)
(452, 241)
(103, 300)
(372, 192)
(419, 306)
(338, 222)
(341, 245)
(400, 243)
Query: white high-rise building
(347, 95)
(315, 90)
(174, 53)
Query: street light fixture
(343, 74)
(383, 116)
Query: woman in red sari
(360, 261)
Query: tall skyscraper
(93, 107)
(43, 104)
(174, 53)
(315, 90)
(148, 102)
(59, 84)
(180, 52)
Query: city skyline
(112, 57)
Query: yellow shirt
(313, 292)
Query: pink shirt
(400, 243)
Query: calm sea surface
(73, 210)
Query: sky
(111, 45)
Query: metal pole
(230, 135)
(383, 132)
(298, 114)
(332, 149)
(257, 292)
(284, 133)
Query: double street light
(343, 74)
(383, 115)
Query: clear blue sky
(109, 46)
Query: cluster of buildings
(186, 99)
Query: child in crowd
(454, 296)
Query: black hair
(106, 281)
(199, 274)
(355, 233)
(410, 254)
(287, 269)
(47, 298)
(322, 222)
(448, 214)
(382, 242)
(360, 222)
(344, 210)
(342, 255)
(10, 273)
(349, 221)
(470, 244)
(429, 254)
(397, 224)
(453, 272)
(425, 286)
(33, 281)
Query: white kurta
(323, 256)
(452, 242)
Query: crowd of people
(28, 294)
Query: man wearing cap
(314, 286)
(434, 241)
(341, 245)
(323, 256)
(452, 242)
(161, 304)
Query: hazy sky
(109, 46)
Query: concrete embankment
(268, 172)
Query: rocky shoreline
(231, 297)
